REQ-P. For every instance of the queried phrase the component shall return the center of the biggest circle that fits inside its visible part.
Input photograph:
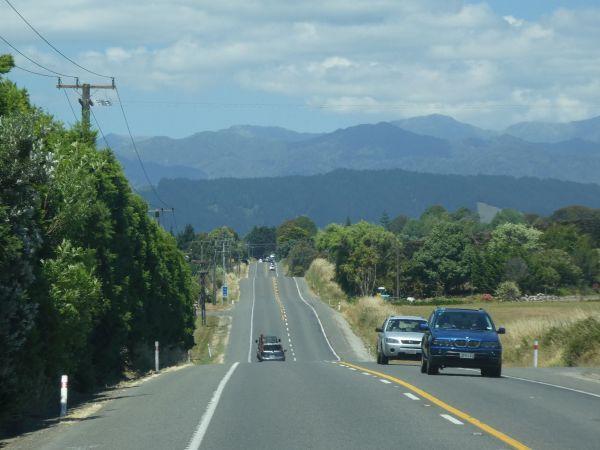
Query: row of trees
(453, 253)
(88, 281)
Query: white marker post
(156, 367)
(209, 352)
(535, 353)
(64, 381)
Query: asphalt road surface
(322, 398)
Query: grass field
(568, 331)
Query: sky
(185, 66)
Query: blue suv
(461, 338)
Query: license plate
(411, 352)
(466, 355)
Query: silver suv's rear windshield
(464, 320)
(408, 325)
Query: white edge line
(558, 386)
(252, 314)
(210, 410)
(449, 418)
(319, 320)
(552, 385)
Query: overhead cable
(34, 72)
(33, 61)
(51, 45)
(139, 158)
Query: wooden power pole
(85, 100)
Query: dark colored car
(461, 338)
(269, 349)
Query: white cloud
(397, 56)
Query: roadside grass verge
(568, 331)
(319, 277)
(233, 290)
(215, 334)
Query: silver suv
(399, 337)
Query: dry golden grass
(214, 333)
(556, 324)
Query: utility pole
(214, 276)
(158, 211)
(224, 269)
(397, 272)
(85, 100)
(202, 272)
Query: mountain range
(365, 194)
(432, 144)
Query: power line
(33, 61)
(50, 44)
(137, 152)
(33, 72)
(108, 145)
(70, 105)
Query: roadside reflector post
(535, 353)
(64, 381)
(156, 366)
(209, 352)
(339, 306)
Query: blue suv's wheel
(431, 369)
(494, 372)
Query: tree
(185, 238)
(292, 231)
(363, 253)
(507, 216)
(262, 241)
(300, 256)
(444, 258)
(384, 220)
(397, 224)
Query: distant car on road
(271, 266)
(462, 338)
(399, 337)
(269, 349)
(259, 260)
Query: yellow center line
(277, 299)
(472, 420)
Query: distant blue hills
(432, 144)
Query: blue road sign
(224, 291)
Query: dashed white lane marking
(210, 410)
(351, 368)
(385, 381)
(454, 420)
(294, 358)
(365, 373)
(411, 396)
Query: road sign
(224, 291)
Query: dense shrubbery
(87, 280)
(444, 253)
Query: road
(321, 397)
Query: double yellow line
(451, 409)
